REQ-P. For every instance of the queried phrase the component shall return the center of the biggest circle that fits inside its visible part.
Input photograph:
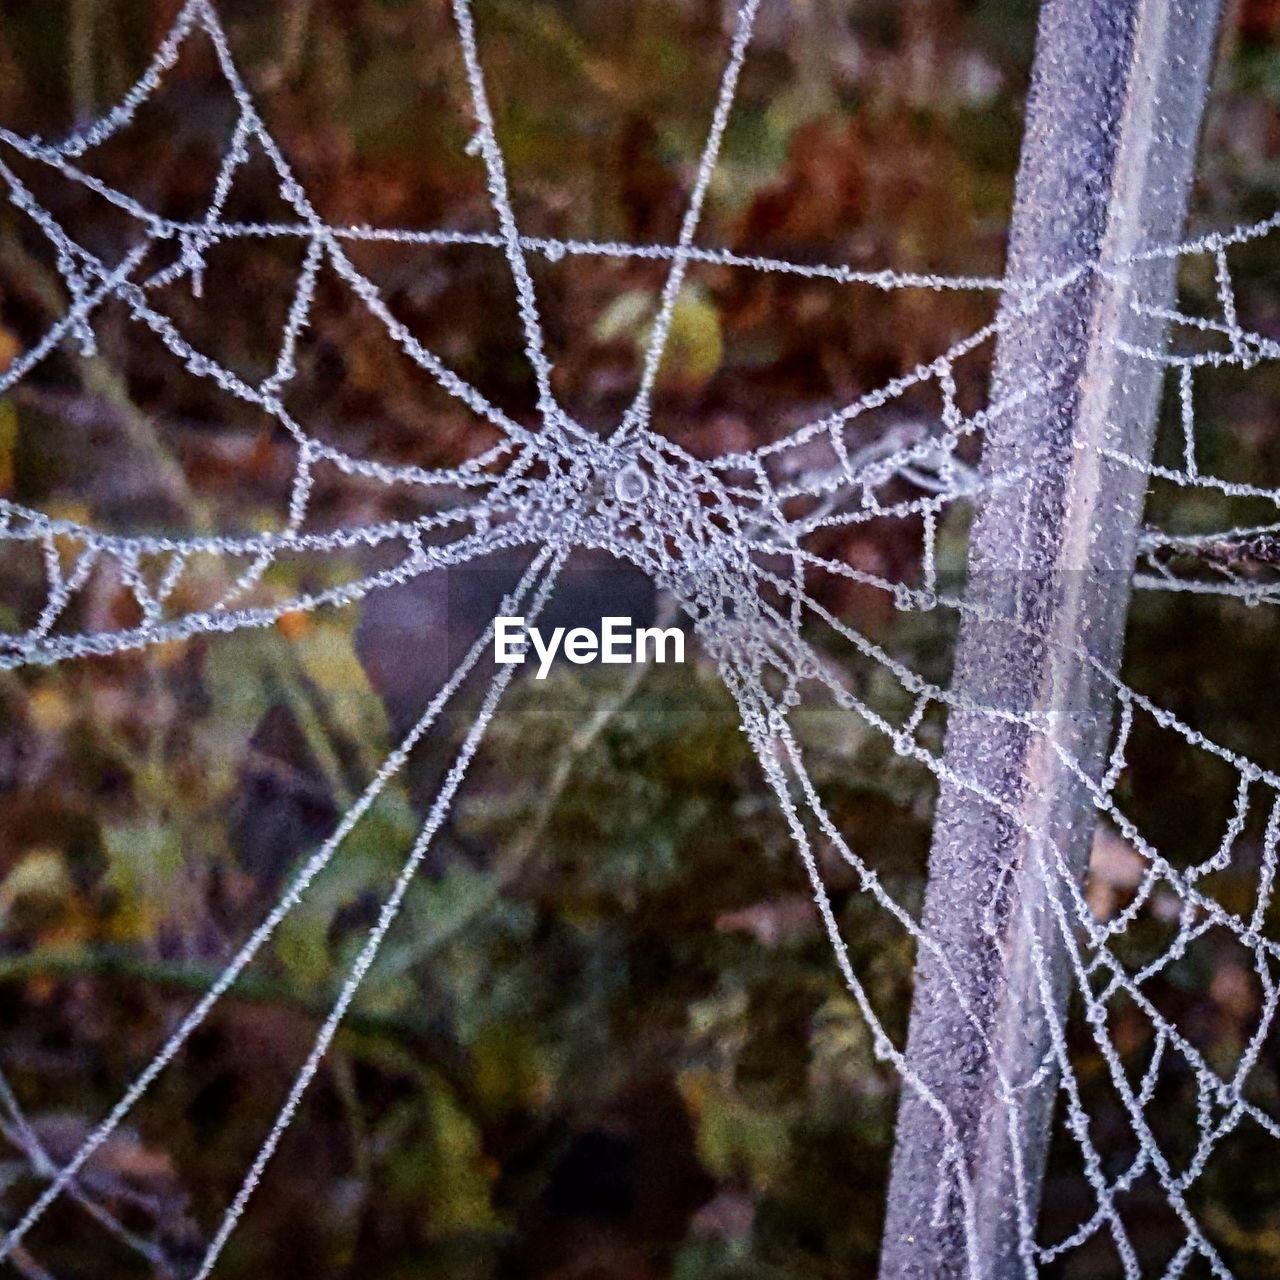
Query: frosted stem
(1112, 124)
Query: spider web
(736, 540)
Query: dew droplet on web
(631, 484)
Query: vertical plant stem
(1112, 125)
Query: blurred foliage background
(608, 1038)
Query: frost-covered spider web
(738, 540)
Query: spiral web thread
(732, 540)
